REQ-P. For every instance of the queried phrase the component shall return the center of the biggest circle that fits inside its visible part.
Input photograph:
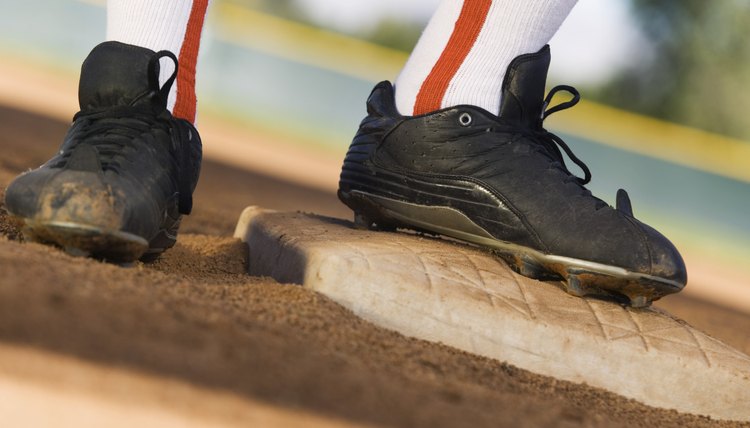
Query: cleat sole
(82, 240)
(579, 277)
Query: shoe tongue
(117, 74)
(523, 88)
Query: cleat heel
(365, 220)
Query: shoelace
(552, 143)
(110, 130)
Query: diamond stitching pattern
(455, 265)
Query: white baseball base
(464, 297)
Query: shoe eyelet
(465, 119)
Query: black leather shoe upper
(126, 164)
(506, 173)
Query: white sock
(466, 48)
(173, 25)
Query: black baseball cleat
(501, 182)
(126, 170)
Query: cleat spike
(365, 222)
(385, 227)
(361, 221)
(640, 302)
(573, 285)
(29, 235)
(127, 265)
(529, 269)
(76, 252)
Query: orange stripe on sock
(465, 33)
(185, 105)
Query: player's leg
(127, 167)
(459, 149)
(173, 25)
(463, 53)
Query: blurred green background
(302, 69)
